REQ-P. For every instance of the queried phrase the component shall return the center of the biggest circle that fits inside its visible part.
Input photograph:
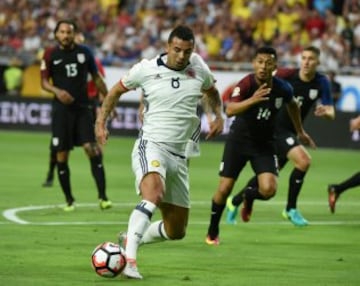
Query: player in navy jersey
(172, 85)
(95, 99)
(64, 72)
(311, 88)
(255, 102)
(335, 190)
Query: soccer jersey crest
(190, 73)
(313, 93)
(278, 102)
(155, 163)
(236, 92)
(81, 58)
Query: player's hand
(261, 93)
(325, 111)
(64, 97)
(306, 140)
(101, 133)
(320, 110)
(216, 127)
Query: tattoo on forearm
(107, 106)
(214, 102)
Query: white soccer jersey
(170, 97)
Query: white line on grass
(12, 215)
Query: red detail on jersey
(226, 94)
(91, 87)
(122, 84)
(44, 72)
(245, 85)
(285, 73)
(190, 73)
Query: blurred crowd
(227, 32)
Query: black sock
(52, 165)
(64, 179)
(295, 183)
(252, 194)
(353, 181)
(216, 212)
(98, 172)
(239, 197)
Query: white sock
(138, 223)
(155, 233)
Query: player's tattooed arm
(212, 102)
(107, 107)
(212, 105)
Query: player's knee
(176, 234)
(268, 191)
(223, 191)
(152, 188)
(306, 163)
(92, 149)
(303, 163)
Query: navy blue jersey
(306, 93)
(256, 124)
(69, 70)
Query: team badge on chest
(313, 93)
(278, 102)
(81, 58)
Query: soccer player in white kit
(172, 85)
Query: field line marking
(12, 214)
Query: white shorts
(149, 157)
(192, 149)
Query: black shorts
(234, 160)
(285, 142)
(71, 126)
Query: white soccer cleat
(131, 270)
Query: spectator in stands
(315, 25)
(100, 21)
(322, 6)
(13, 77)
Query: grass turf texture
(51, 247)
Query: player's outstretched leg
(231, 211)
(335, 190)
(246, 209)
(332, 197)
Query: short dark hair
(183, 33)
(313, 49)
(266, 50)
(65, 21)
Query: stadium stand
(227, 32)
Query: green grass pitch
(42, 245)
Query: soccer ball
(108, 259)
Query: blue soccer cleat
(231, 211)
(295, 217)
